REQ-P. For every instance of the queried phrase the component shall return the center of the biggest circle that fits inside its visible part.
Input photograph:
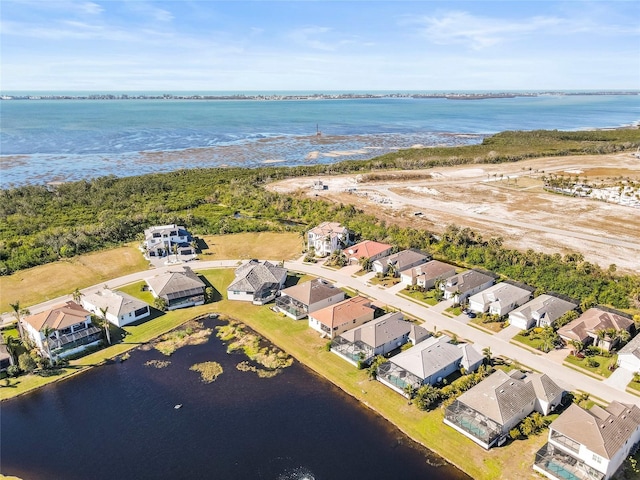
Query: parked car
(470, 314)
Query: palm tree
(77, 295)
(105, 323)
(577, 345)
(487, 354)
(46, 331)
(18, 313)
(410, 391)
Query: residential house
(589, 444)
(427, 274)
(377, 337)
(486, 412)
(297, 301)
(461, 286)
(121, 309)
(179, 287)
(428, 362)
(335, 319)
(542, 311)
(399, 262)
(62, 330)
(257, 282)
(629, 355)
(160, 240)
(592, 326)
(367, 249)
(327, 238)
(6, 360)
(499, 299)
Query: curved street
(432, 318)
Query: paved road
(432, 318)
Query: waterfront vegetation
(209, 371)
(191, 333)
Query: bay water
(60, 140)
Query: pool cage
(398, 377)
(555, 463)
(474, 423)
(353, 351)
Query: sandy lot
(504, 200)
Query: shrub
(13, 370)
(27, 364)
(590, 362)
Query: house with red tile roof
(367, 249)
(333, 320)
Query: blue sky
(318, 45)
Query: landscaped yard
(384, 281)
(454, 310)
(634, 386)
(492, 326)
(603, 363)
(427, 297)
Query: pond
(119, 421)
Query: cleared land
(52, 280)
(504, 200)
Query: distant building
(121, 309)
(327, 237)
(487, 412)
(180, 287)
(257, 282)
(499, 299)
(542, 311)
(297, 301)
(400, 262)
(587, 326)
(589, 444)
(367, 249)
(160, 240)
(461, 286)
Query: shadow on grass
(216, 296)
(7, 383)
(201, 245)
(292, 279)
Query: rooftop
(592, 321)
(253, 275)
(116, 303)
(366, 249)
(343, 312)
(176, 282)
(312, 291)
(58, 317)
(379, 331)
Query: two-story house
(589, 444)
(327, 238)
(160, 240)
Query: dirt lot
(504, 200)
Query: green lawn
(294, 337)
(454, 310)
(491, 326)
(532, 340)
(427, 297)
(634, 386)
(602, 369)
(135, 290)
(384, 281)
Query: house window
(597, 458)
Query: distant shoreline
(312, 96)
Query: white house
(589, 444)
(297, 301)
(499, 299)
(540, 312)
(257, 282)
(160, 240)
(68, 327)
(486, 412)
(461, 286)
(327, 237)
(428, 362)
(121, 309)
(629, 355)
(399, 262)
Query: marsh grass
(158, 363)
(209, 371)
(191, 333)
(262, 373)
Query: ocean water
(58, 140)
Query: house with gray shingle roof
(461, 286)
(399, 261)
(121, 309)
(589, 444)
(542, 311)
(257, 282)
(180, 287)
(499, 299)
(486, 412)
(428, 362)
(377, 337)
(298, 301)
